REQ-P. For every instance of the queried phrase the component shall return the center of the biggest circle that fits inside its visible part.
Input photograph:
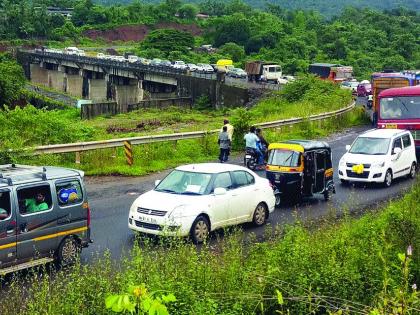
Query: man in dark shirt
(224, 145)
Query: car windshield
(186, 183)
(400, 107)
(283, 158)
(370, 146)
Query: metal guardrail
(113, 143)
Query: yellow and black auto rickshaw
(298, 168)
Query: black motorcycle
(250, 159)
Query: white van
(379, 155)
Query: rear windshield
(284, 158)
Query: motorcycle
(250, 159)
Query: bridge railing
(113, 143)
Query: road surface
(111, 197)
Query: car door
(397, 160)
(243, 195)
(320, 158)
(221, 210)
(407, 153)
(7, 228)
(36, 231)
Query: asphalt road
(111, 197)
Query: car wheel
(412, 173)
(68, 252)
(388, 178)
(278, 199)
(200, 230)
(260, 215)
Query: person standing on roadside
(230, 130)
(224, 145)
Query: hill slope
(326, 7)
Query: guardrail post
(78, 155)
(128, 149)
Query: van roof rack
(7, 172)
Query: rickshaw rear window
(284, 158)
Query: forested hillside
(325, 7)
(366, 39)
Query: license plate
(147, 220)
(391, 126)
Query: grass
(351, 266)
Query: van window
(69, 192)
(34, 199)
(406, 141)
(397, 144)
(5, 207)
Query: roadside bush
(352, 266)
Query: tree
(234, 51)
(188, 11)
(168, 40)
(12, 81)
(235, 29)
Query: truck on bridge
(263, 71)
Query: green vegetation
(12, 80)
(30, 127)
(365, 39)
(350, 266)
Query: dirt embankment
(138, 32)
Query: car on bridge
(379, 156)
(203, 67)
(195, 199)
(179, 64)
(236, 73)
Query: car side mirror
(397, 151)
(348, 147)
(219, 191)
(157, 182)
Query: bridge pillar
(38, 74)
(56, 79)
(73, 82)
(124, 91)
(97, 87)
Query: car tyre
(260, 214)
(413, 169)
(200, 229)
(278, 199)
(68, 252)
(388, 178)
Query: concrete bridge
(124, 82)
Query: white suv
(379, 155)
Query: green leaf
(168, 298)
(110, 300)
(401, 257)
(279, 297)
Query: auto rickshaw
(300, 168)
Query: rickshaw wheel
(327, 195)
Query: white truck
(263, 71)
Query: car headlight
(378, 164)
(177, 212)
(342, 162)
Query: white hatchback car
(379, 155)
(198, 198)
